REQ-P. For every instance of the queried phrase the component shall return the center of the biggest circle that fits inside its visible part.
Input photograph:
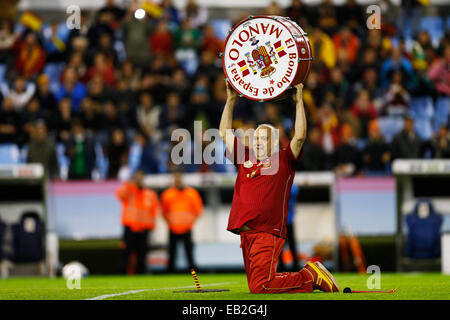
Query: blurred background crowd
(101, 101)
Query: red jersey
(260, 201)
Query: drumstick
(194, 275)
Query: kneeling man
(260, 203)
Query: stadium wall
(76, 207)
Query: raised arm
(227, 118)
(300, 122)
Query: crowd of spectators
(114, 89)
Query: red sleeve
(290, 158)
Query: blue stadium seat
(361, 144)
(422, 111)
(421, 108)
(63, 161)
(9, 153)
(288, 124)
(101, 161)
(101, 138)
(405, 28)
(188, 60)
(162, 156)
(2, 72)
(395, 41)
(441, 113)
(434, 26)
(134, 157)
(423, 128)
(53, 71)
(390, 126)
(23, 154)
(120, 49)
(409, 43)
(221, 27)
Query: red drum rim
(308, 45)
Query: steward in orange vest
(181, 206)
(139, 209)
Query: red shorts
(261, 251)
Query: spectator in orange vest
(139, 209)
(181, 206)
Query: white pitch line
(106, 296)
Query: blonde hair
(266, 125)
(274, 133)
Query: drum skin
(266, 55)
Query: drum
(266, 55)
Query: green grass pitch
(154, 287)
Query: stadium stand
(99, 75)
(434, 26)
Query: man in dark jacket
(347, 157)
(406, 144)
(117, 152)
(314, 158)
(376, 154)
(80, 150)
(9, 123)
(439, 144)
(42, 150)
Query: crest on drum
(262, 57)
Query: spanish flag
(244, 68)
(279, 48)
(31, 20)
(152, 9)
